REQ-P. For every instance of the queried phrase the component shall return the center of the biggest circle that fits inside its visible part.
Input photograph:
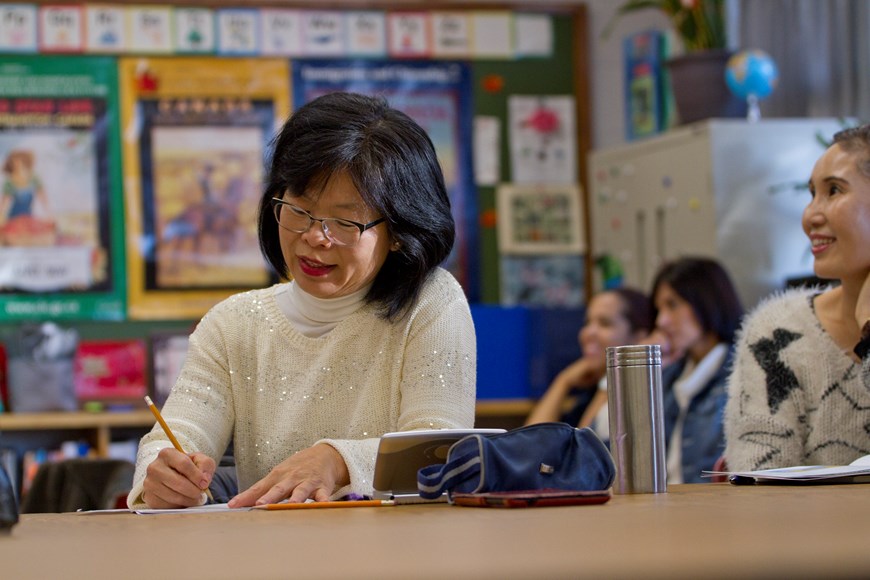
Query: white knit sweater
(251, 376)
(794, 396)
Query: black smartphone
(531, 498)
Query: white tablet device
(402, 453)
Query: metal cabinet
(725, 188)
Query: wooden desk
(693, 531)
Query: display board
(194, 92)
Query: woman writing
(370, 335)
(800, 390)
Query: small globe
(751, 73)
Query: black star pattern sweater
(794, 396)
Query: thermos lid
(634, 355)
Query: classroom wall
(538, 77)
(606, 63)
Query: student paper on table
(859, 469)
(205, 508)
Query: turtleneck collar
(313, 316)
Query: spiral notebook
(856, 472)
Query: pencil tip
(148, 400)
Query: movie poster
(436, 94)
(195, 136)
(61, 234)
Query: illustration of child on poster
(22, 189)
(50, 210)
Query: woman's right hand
(175, 480)
(581, 373)
(584, 372)
(669, 354)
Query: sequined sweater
(250, 376)
(794, 396)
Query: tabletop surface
(691, 531)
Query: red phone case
(531, 498)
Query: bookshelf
(505, 413)
(504, 407)
(502, 413)
(99, 424)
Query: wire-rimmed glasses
(341, 232)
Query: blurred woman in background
(697, 313)
(577, 394)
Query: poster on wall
(646, 86)
(543, 143)
(548, 281)
(539, 219)
(436, 94)
(61, 234)
(196, 133)
(541, 242)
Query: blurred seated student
(697, 313)
(800, 390)
(613, 317)
(595, 414)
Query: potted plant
(697, 75)
(700, 24)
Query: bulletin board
(564, 74)
(503, 92)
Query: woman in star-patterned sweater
(799, 393)
(795, 396)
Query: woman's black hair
(856, 140)
(637, 308)
(706, 286)
(392, 164)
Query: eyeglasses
(338, 231)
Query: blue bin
(521, 349)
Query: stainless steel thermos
(636, 413)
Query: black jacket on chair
(78, 484)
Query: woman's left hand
(312, 473)
(862, 307)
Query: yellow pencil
(169, 434)
(326, 504)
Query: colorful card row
(158, 29)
